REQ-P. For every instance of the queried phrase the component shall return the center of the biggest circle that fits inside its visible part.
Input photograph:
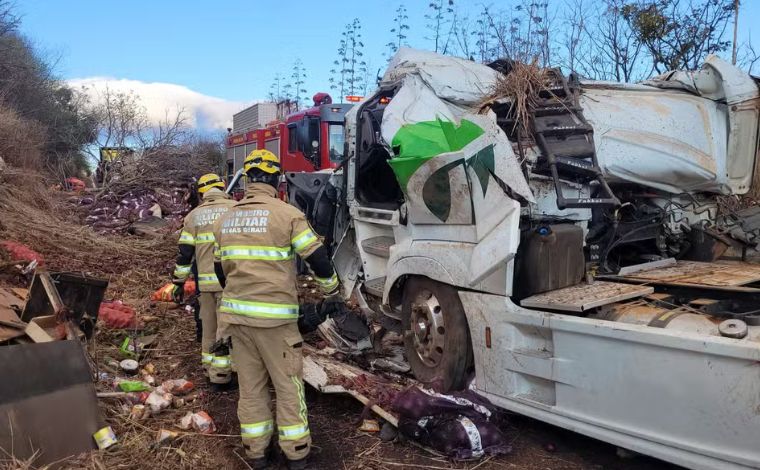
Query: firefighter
(196, 244)
(256, 243)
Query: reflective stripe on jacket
(198, 232)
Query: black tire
(443, 361)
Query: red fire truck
(306, 141)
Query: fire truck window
(292, 138)
(313, 136)
(337, 142)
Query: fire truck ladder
(566, 141)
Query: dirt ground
(135, 268)
(338, 444)
(334, 420)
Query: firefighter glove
(178, 293)
(310, 316)
(333, 306)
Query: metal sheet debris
(48, 405)
(721, 273)
(583, 297)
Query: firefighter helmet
(262, 160)
(208, 181)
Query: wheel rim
(428, 329)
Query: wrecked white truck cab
(572, 264)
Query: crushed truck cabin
(563, 248)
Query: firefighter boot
(220, 369)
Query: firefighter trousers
(217, 367)
(260, 355)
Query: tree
(298, 77)
(680, 34)
(276, 88)
(122, 121)
(29, 88)
(349, 69)
(441, 20)
(522, 34)
(398, 31)
(601, 44)
(485, 49)
(748, 57)
(463, 37)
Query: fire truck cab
(306, 141)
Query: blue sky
(225, 49)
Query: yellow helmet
(263, 160)
(208, 181)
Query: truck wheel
(436, 336)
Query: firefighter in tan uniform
(257, 241)
(196, 243)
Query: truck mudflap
(686, 398)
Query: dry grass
(175, 355)
(21, 140)
(41, 218)
(521, 88)
(160, 168)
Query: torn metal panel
(721, 273)
(689, 140)
(444, 90)
(458, 81)
(47, 401)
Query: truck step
(379, 246)
(375, 286)
(577, 166)
(587, 202)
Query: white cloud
(201, 110)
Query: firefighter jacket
(197, 240)
(256, 243)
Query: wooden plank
(36, 333)
(582, 297)
(52, 292)
(10, 325)
(318, 368)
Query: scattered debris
(20, 252)
(165, 435)
(116, 314)
(458, 425)
(139, 412)
(177, 386)
(369, 425)
(164, 294)
(130, 366)
(158, 400)
(201, 422)
(132, 385)
(110, 213)
(105, 438)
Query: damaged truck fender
(618, 382)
